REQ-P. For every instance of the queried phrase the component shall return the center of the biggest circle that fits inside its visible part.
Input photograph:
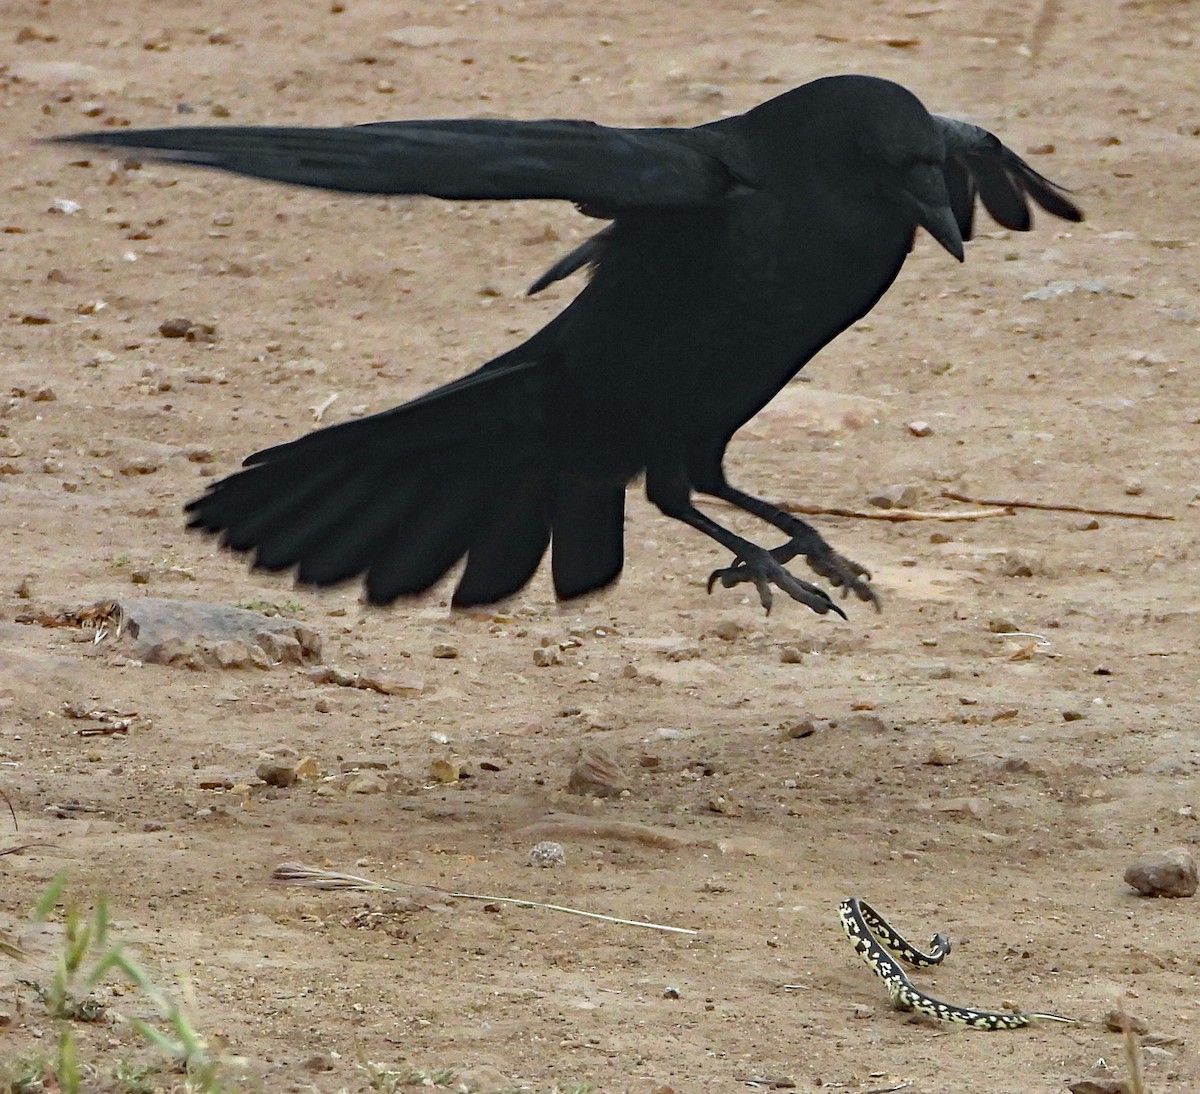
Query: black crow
(736, 250)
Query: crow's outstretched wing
(600, 168)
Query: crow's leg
(668, 488)
(836, 568)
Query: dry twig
(897, 516)
(314, 877)
(1057, 507)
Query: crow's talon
(842, 573)
(765, 572)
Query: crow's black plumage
(736, 250)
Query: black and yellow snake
(872, 936)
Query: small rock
(597, 773)
(1073, 715)
(1099, 1086)
(175, 328)
(277, 772)
(671, 993)
(1118, 1022)
(1166, 873)
(1084, 524)
(791, 655)
(894, 497)
(1002, 626)
(804, 726)
(547, 854)
(941, 755)
(919, 429)
(445, 771)
(545, 656)
(367, 782)
(445, 651)
(863, 722)
(1022, 564)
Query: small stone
(863, 722)
(175, 328)
(319, 1061)
(1117, 1021)
(367, 782)
(671, 993)
(277, 772)
(791, 655)
(1169, 873)
(804, 726)
(598, 774)
(139, 465)
(1134, 487)
(1084, 524)
(941, 755)
(1099, 1086)
(545, 656)
(445, 771)
(1002, 626)
(919, 429)
(1073, 715)
(894, 497)
(445, 651)
(547, 854)
(1021, 564)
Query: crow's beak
(925, 190)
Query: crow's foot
(764, 571)
(841, 572)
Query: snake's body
(872, 937)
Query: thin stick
(298, 873)
(1058, 507)
(898, 516)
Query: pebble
(791, 655)
(1099, 1086)
(919, 429)
(1073, 715)
(1117, 1021)
(445, 651)
(1164, 873)
(367, 782)
(547, 854)
(545, 656)
(277, 772)
(804, 726)
(598, 774)
(175, 328)
(894, 497)
(863, 722)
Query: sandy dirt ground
(991, 787)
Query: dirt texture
(992, 787)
